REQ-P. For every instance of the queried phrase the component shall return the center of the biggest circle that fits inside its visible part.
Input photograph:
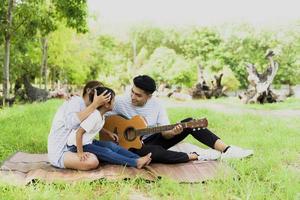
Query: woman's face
(112, 103)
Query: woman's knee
(72, 161)
(91, 163)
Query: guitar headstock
(197, 123)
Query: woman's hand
(101, 99)
(114, 137)
(83, 156)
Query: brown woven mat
(22, 168)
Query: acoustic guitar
(131, 130)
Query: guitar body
(122, 127)
(130, 131)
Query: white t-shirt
(154, 113)
(92, 125)
(65, 120)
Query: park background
(56, 46)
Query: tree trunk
(259, 84)
(7, 51)
(203, 91)
(33, 93)
(200, 74)
(44, 42)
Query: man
(141, 102)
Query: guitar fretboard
(158, 129)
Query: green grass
(289, 103)
(269, 174)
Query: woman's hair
(100, 90)
(90, 86)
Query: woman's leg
(72, 161)
(108, 155)
(116, 148)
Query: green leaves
(75, 13)
(169, 55)
(166, 66)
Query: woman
(68, 117)
(82, 139)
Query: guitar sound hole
(130, 134)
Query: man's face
(138, 96)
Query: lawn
(272, 173)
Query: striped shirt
(154, 113)
(65, 120)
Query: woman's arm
(74, 116)
(82, 155)
(112, 135)
(98, 101)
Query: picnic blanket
(23, 168)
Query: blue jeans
(109, 152)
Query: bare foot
(143, 161)
(193, 156)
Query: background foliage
(172, 56)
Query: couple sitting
(71, 141)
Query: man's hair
(145, 83)
(91, 85)
(100, 90)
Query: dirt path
(225, 108)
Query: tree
(74, 12)
(199, 42)
(32, 17)
(247, 47)
(289, 58)
(168, 67)
(110, 61)
(7, 38)
(147, 36)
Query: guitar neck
(158, 129)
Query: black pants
(158, 145)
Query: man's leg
(208, 138)
(161, 155)
(158, 139)
(204, 136)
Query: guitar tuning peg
(199, 129)
(194, 129)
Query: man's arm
(163, 119)
(171, 133)
(167, 134)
